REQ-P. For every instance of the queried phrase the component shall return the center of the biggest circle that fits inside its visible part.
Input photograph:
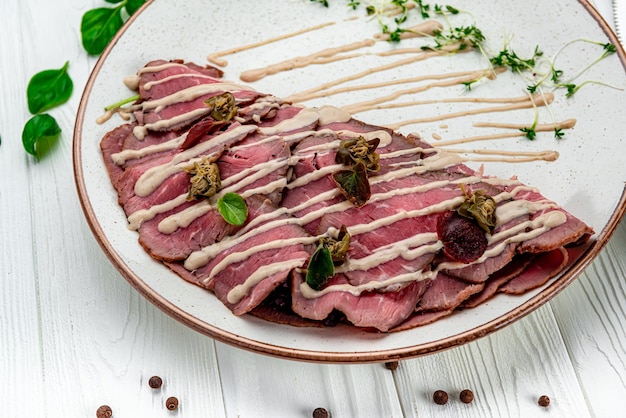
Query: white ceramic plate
(587, 179)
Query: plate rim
(230, 338)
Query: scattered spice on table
(391, 365)
(104, 411)
(155, 382)
(467, 396)
(171, 403)
(320, 413)
(440, 397)
(544, 401)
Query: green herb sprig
(98, 26)
(46, 90)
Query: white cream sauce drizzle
(154, 176)
(189, 94)
(121, 157)
(537, 227)
(417, 246)
(215, 58)
(150, 84)
(324, 56)
(140, 131)
(242, 290)
(203, 256)
(437, 161)
(136, 218)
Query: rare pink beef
(266, 165)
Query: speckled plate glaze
(587, 179)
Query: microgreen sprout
(530, 131)
(538, 71)
(122, 103)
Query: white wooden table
(74, 335)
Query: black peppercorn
(467, 396)
(320, 413)
(391, 365)
(104, 411)
(544, 401)
(440, 397)
(155, 382)
(171, 403)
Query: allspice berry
(544, 401)
(391, 365)
(104, 411)
(171, 403)
(467, 396)
(155, 382)
(320, 413)
(440, 397)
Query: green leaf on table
(233, 208)
(99, 26)
(48, 89)
(133, 5)
(320, 268)
(40, 134)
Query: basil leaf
(354, 184)
(49, 88)
(233, 208)
(133, 5)
(98, 27)
(40, 135)
(320, 268)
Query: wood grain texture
(21, 351)
(507, 372)
(74, 335)
(591, 314)
(257, 386)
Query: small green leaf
(40, 134)
(48, 89)
(233, 208)
(320, 268)
(99, 26)
(133, 5)
(354, 184)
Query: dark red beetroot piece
(462, 238)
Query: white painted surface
(74, 335)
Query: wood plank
(507, 372)
(20, 341)
(591, 314)
(260, 386)
(100, 340)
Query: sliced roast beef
(499, 278)
(378, 310)
(112, 143)
(421, 319)
(543, 267)
(445, 292)
(161, 78)
(397, 272)
(249, 268)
